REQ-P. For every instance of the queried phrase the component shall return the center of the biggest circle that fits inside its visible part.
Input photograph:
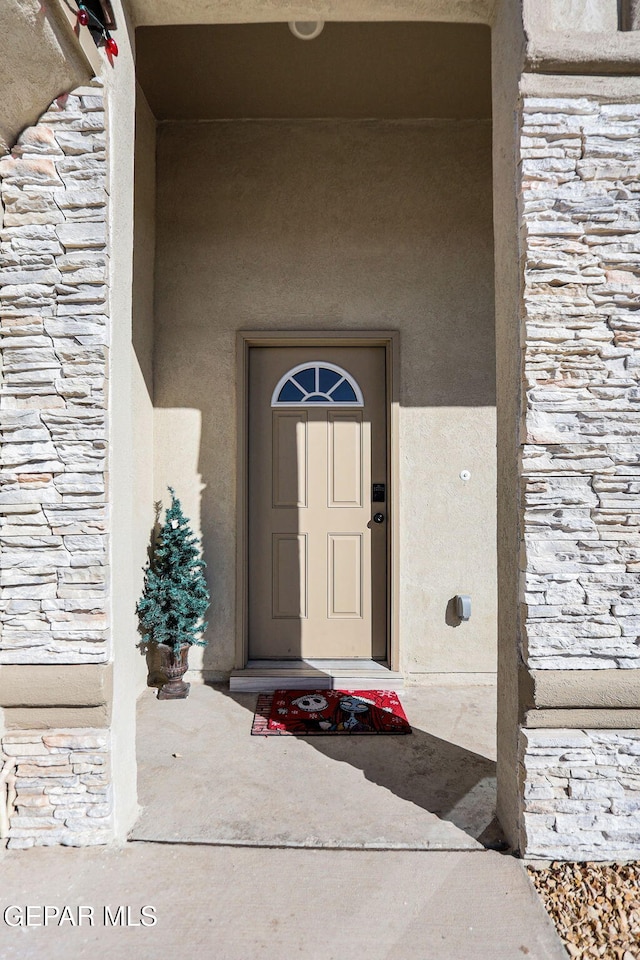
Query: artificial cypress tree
(175, 597)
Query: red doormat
(319, 712)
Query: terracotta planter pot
(174, 667)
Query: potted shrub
(174, 600)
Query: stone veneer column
(580, 465)
(53, 476)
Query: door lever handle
(378, 517)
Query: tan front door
(317, 556)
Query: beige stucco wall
(337, 225)
(39, 60)
(261, 71)
(144, 248)
(130, 420)
(261, 11)
(508, 54)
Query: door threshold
(265, 676)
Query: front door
(317, 502)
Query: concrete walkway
(224, 903)
(240, 848)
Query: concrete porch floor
(203, 778)
(228, 874)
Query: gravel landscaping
(595, 907)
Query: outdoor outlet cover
(463, 606)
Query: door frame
(390, 340)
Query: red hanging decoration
(111, 46)
(83, 17)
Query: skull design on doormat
(305, 712)
(311, 703)
(344, 718)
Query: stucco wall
(144, 191)
(337, 225)
(261, 11)
(39, 60)
(256, 71)
(141, 356)
(130, 483)
(508, 50)
(144, 250)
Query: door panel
(289, 458)
(345, 575)
(289, 571)
(345, 459)
(317, 561)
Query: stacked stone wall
(54, 320)
(582, 794)
(53, 399)
(58, 788)
(580, 463)
(581, 453)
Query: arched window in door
(321, 383)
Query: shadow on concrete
(203, 778)
(441, 777)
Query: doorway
(317, 499)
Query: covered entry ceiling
(363, 70)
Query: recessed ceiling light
(306, 29)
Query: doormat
(309, 713)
